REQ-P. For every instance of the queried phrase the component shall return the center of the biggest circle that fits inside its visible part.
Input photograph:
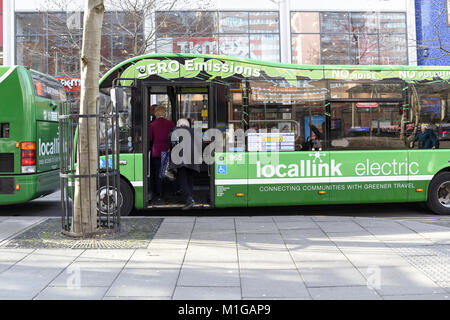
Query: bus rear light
(17, 187)
(28, 157)
(17, 145)
(28, 146)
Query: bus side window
(285, 117)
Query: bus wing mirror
(118, 98)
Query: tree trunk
(85, 199)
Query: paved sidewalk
(268, 257)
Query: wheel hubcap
(109, 200)
(443, 194)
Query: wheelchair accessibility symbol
(221, 169)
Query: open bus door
(191, 101)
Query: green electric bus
(289, 134)
(29, 135)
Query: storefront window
(392, 48)
(334, 22)
(30, 51)
(265, 47)
(50, 42)
(236, 46)
(233, 22)
(305, 22)
(306, 48)
(335, 48)
(253, 34)
(348, 38)
(263, 22)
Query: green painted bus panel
(47, 145)
(16, 103)
(288, 178)
(374, 176)
(139, 197)
(30, 119)
(320, 177)
(127, 166)
(31, 187)
(138, 180)
(430, 162)
(231, 179)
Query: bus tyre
(439, 194)
(125, 197)
(128, 198)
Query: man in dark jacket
(186, 158)
(426, 138)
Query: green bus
(289, 134)
(29, 135)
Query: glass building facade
(245, 34)
(50, 42)
(349, 38)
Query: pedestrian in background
(426, 138)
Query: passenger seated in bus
(159, 131)
(426, 138)
(185, 163)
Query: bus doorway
(181, 101)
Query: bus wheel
(439, 194)
(106, 197)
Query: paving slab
(223, 252)
(344, 293)
(25, 282)
(64, 293)
(306, 224)
(257, 241)
(397, 234)
(169, 241)
(265, 259)
(340, 226)
(136, 298)
(156, 258)
(273, 283)
(365, 258)
(207, 293)
(294, 219)
(318, 253)
(419, 297)
(14, 225)
(330, 274)
(220, 236)
(209, 275)
(400, 280)
(144, 283)
(84, 273)
(205, 224)
(256, 227)
(107, 254)
(9, 257)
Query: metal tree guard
(108, 198)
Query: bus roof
(4, 69)
(113, 73)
